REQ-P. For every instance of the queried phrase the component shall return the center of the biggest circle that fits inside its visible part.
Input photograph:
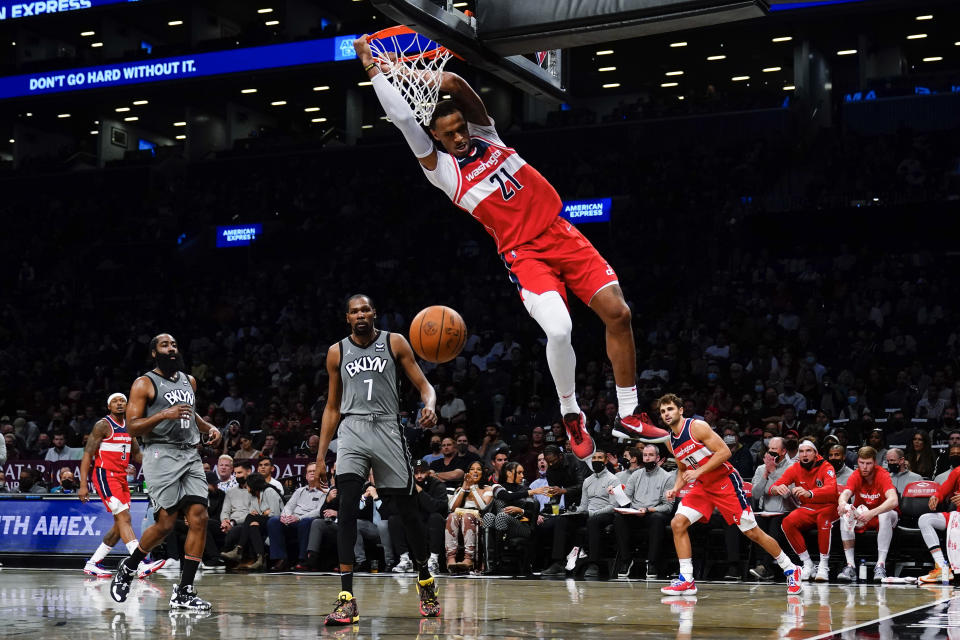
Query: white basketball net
(414, 65)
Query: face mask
(852, 399)
(893, 467)
(949, 422)
(435, 447)
(463, 447)
(955, 461)
(730, 440)
(712, 377)
(649, 466)
(26, 485)
(68, 485)
(807, 465)
(241, 482)
(758, 388)
(766, 442)
(836, 464)
(598, 467)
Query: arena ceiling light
(181, 123)
(674, 73)
(122, 109)
(367, 126)
(604, 52)
(311, 109)
(933, 59)
(181, 137)
(771, 69)
(459, 5)
(175, 23)
(11, 141)
(740, 78)
(140, 103)
(265, 10)
(248, 90)
(278, 103)
(925, 17)
(611, 85)
(367, 83)
(323, 87)
(319, 120)
(715, 58)
(93, 132)
(846, 52)
(96, 44)
(131, 119)
(669, 84)
(607, 69)
(87, 34)
(678, 44)
(789, 87)
(917, 36)
(272, 23)
(63, 115)
(783, 39)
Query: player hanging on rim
(161, 412)
(544, 253)
(702, 459)
(363, 402)
(112, 450)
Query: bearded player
(544, 253)
(702, 460)
(112, 450)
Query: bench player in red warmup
(544, 253)
(702, 459)
(815, 488)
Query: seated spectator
(453, 410)
(740, 456)
(761, 446)
(948, 424)
(237, 505)
(790, 397)
(246, 450)
(433, 508)
(774, 465)
(514, 510)
(66, 482)
(491, 443)
(878, 441)
(265, 501)
(12, 450)
(449, 469)
(60, 451)
(270, 446)
(31, 481)
(231, 437)
(434, 449)
(266, 468)
(225, 478)
(3, 450)
(597, 507)
(843, 439)
(869, 501)
(837, 456)
(633, 460)
(645, 488)
(467, 505)
(946, 498)
(812, 483)
(325, 529)
(294, 521)
(496, 464)
(367, 530)
(920, 454)
(899, 470)
(522, 452)
(541, 481)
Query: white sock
(100, 553)
(884, 536)
(784, 561)
(824, 561)
(686, 568)
(435, 556)
(132, 545)
(626, 400)
(804, 556)
(938, 557)
(849, 555)
(550, 312)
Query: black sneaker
(187, 598)
(623, 568)
(120, 585)
(556, 569)
(760, 573)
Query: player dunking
(544, 253)
(161, 412)
(111, 450)
(364, 400)
(702, 459)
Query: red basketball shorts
(113, 489)
(804, 518)
(726, 496)
(559, 258)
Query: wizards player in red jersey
(544, 253)
(112, 451)
(702, 460)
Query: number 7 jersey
(368, 376)
(511, 199)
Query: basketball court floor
(55, 604)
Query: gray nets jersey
(168, 393)
(369, 378)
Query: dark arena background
(774, 182)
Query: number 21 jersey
(511, 199)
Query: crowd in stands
(845, 341)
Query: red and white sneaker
(794, 580)
(146, 568)
(639, 427)
(579, 438)
(97, 570)
(680, 587)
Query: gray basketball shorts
(174, 477)
(378, 443)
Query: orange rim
(401, 30)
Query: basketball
(438, 334)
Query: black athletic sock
(424, 573)
(346, 581)
(136, 558)
(188, 570)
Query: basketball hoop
(414, 66)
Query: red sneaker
(345, 613)
(580, 441)
(794, 580)
(680, 587)
(639, 427)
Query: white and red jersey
(513, 202)
(694, 454)
(114, 452)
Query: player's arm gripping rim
(89, 451)
(331, 413)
